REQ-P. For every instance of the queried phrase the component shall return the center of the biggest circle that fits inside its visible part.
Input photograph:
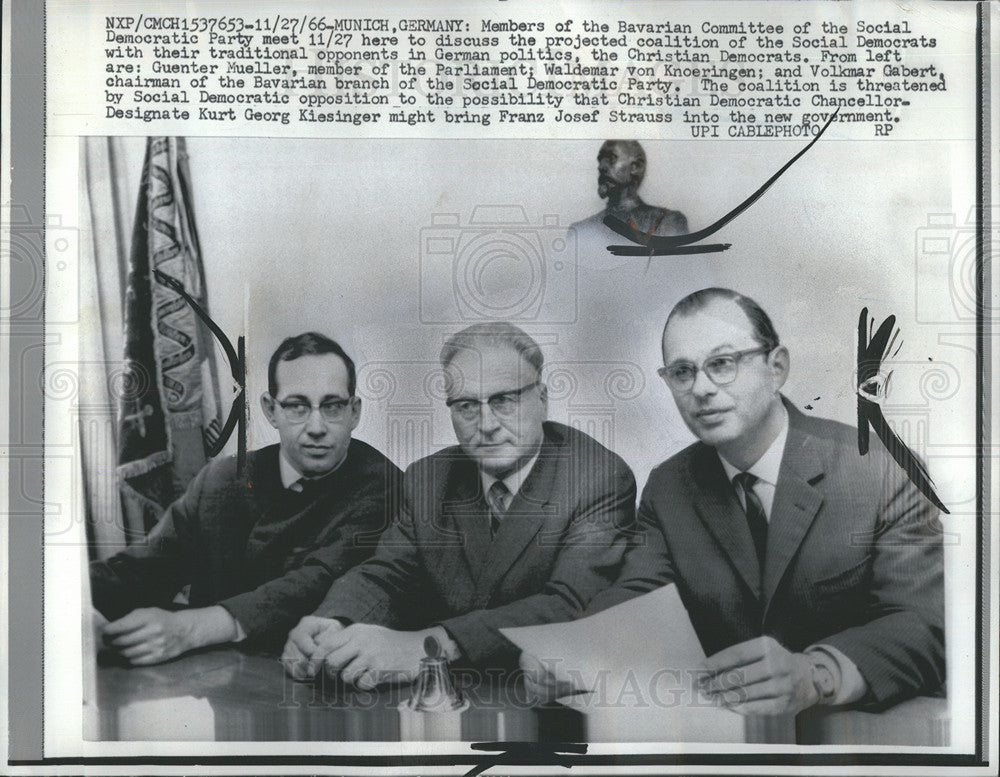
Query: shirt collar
(513, 481)
(766, 468)
(291, 477)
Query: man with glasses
(812, 575)
(521, 523)
(258, 549)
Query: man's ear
(779, 361)
(268, 405)
(543, 394)
(355, 411)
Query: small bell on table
(433, 691)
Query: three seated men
(811, 574)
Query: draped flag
(169, 412)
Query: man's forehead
(313, 374)
(719, 325)
(489, 369)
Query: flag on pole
(169, 413)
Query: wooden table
(229, 695)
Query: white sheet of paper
(639, 661)
(645, 635)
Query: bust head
(621, 165)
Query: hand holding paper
(761, 677)
(631, 669)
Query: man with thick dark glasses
(812, 574)
(522, 522)
(258, 550)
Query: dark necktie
(497, 498)
(755, 514)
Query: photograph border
(26, 411)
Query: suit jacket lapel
(716, 504)
(464, 510)
(524, 518)
(796, 501)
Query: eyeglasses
(332, 410)
(503, 404)
(721, 369)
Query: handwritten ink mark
(237, 368)
(872, 349)
(530, 753)
(708, 248)
(671, 245)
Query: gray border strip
(27, 330)
(985, 365)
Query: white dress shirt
(765, 469)
(513, 481)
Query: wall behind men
(391, 245)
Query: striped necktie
(498, 498)
(756, 518)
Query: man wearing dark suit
(815, 580)
(621, 166)
(521, 523)
(258, 549)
